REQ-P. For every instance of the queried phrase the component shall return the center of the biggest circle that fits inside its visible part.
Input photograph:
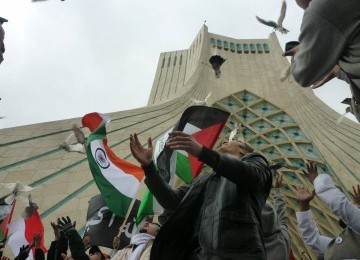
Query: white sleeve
(337, 201)
(309, 232)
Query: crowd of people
(222, 215)
(227, 214)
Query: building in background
(284, 122)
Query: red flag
(23, 231)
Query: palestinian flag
(6, 212)
(117, 179)
(204, 124)
(23, 231)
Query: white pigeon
(236, 133)
(201, 102)
(276, 25)
(16, 190)
(75, 147)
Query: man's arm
(250, 173)
(321, 45)
(167, 197)
(337, 201)
(164, 194)
(309, 232)
(306, 225)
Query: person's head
(150, 228)
(303, 3)
(95, 253)
(235, 148)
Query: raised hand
(65, 224)
(303, 194)
(181, 141)
(141, 154)
(311, 172)
(56, 230)
(356, 195)
(37, 240)
(332, 74)
(292, 51)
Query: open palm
(141, 154)
(303, 194)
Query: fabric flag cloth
(102, 225)
(23, 231)
(117, 179)
(6, 212)
(204, 124)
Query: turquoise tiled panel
(231, 122)
(230, 103)
(276, 136)
(288, 149)
(308, 150)
(322, 168)
(248, 134)
(246, 116)
(292, 178)
(297, 162)
(295, 133)
(258, 143)
(271, 152)
(264, 108)
(261, 126)
(281, 119)
(246, 97)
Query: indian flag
(117, 179)
(204, 124)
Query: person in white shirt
(346, 244)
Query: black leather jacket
(223, 209)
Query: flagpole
(10, 217)
(126, 217)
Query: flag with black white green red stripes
(204, 124)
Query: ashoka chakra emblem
(101, 160)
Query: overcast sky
(67, 58)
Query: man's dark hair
(247, 147)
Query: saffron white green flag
(117, 179)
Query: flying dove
(201, 102)
(276, 25)
(16, 190)
(75, 147)
(236, 133)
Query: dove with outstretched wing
(276, 25)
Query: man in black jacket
(218, 216)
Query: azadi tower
(283, 121)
